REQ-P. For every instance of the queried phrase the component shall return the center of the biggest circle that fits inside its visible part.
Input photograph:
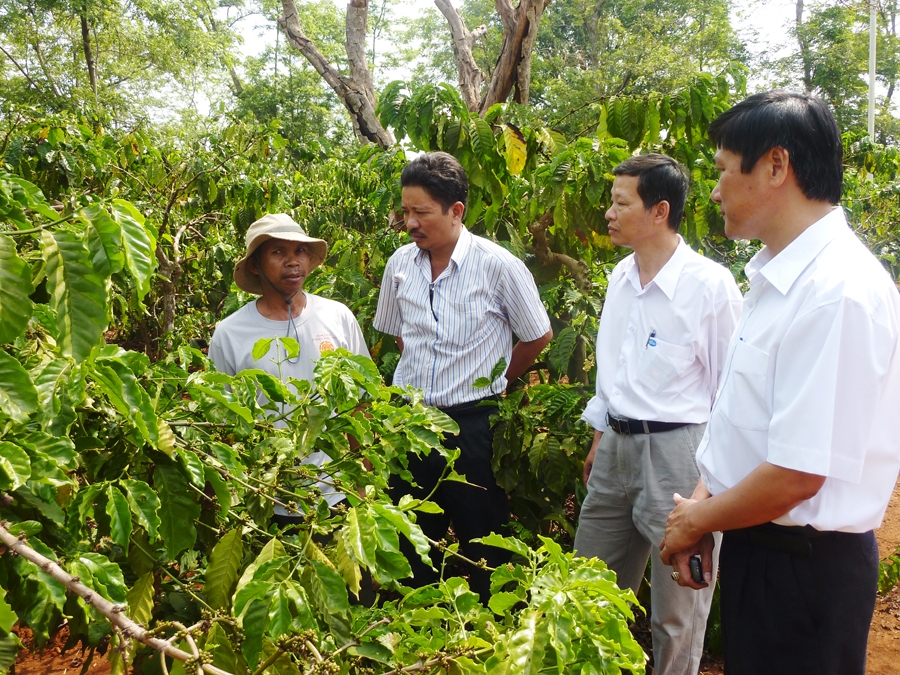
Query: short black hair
(801, 124)
(660, 178)
(440, 175)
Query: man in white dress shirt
(666, 322)
(801, 453)
(454, 301)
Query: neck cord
(287, 301)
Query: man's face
(741, 196)
(629, 222)
(430, 228)
(284, 263)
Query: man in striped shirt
(454, 300)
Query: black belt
(790, 539)
(628, 426)
(471, 406)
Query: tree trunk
(470, 75)
(804, 49)
(520, 27)
(88, 54)
(355, 92)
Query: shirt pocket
(663, 362)
(744, 395)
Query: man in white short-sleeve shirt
(666, 322)
(454, 301)
(801, 453)
(278, 259)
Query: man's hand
(589, 463)
(681, 563)
(589, 460)
(680, 535)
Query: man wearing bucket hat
(278, 260)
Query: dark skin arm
(524, 354)
(767, 493)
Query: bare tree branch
(357, 20)
(507, 14)
(21, 69)
(513, 69)
(115, 613)
(350, 91)
(470, 75)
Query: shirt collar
(667, 278)
(783, 269)
(460, 251)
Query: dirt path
(884, 636)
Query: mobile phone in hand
(696, 569)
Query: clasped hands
(681, 542)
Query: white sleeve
(387, 316)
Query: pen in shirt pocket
(651, 342)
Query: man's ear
(457, 210)
(780, 166)
(660, 212)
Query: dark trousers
(473, 511)
(796, 601)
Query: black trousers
(473, 511)
(796, 601)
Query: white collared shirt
(455, 329)
(660, 348)
(812, 379)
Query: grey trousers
(622, 521)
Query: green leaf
(119, 517)
(127, 395)
(77, 294)
(140, 245)
(177, 528)
(222, 572)
(255, 623)
(527, 645)
(8, 617)
(347, 567)
(279, 614)
(104, 240)
(330, 595)
(144, 504)
(15, 287)
(140, 599)
(273, 550)
(18, 397)
(261, 348)
(9, 651)
(501, 603)
(193, 466)
(100, 574)
(15, 467)
(220, 487)
(562, 350)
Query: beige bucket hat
(274, 226)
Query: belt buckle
(620, 426)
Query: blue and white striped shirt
(455, 329)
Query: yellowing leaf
(516, 150)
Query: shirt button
(631, 329)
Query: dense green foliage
(153, 478)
